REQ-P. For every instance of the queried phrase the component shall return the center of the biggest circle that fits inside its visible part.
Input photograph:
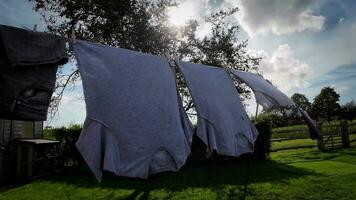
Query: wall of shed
(11, 130)
(14, 129)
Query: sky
(305, 44)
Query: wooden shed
(11, 130)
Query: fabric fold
(97, 135)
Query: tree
(348, 111)
(221, 49)
(326, 104)
(143, 26)
(302, 101)
(131, 24)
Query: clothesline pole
(72, 36)
(256, 111)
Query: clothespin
(35, 27)
(73, 36)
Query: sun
(181, 14)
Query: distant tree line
(325, 107)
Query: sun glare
(180, 15)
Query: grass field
(290, 174)
(301, 131)
(302, 143)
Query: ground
(290, 174)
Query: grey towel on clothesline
(134, 125)
(266, 94)
(223, 124)
(313, 130)
(271, 97)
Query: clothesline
(135, 123)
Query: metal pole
(256, 110)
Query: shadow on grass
(224, 178)
(213, 176)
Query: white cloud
(255, 16)
(341, 88)
(283, 69)
(279, 17)
(184, 11)
(66, 100)
(70, 111)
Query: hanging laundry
(313, 130)
(223, 124)
(271, 97)
(134, 125)
(28, 66)
(268, 96)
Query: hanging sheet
(134, 125)
(271, 97)
(266, 94)
(223, 124)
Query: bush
(348, 111)
(263, 141)
(278, 119)
(68, 137)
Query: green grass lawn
(294, 143)
(290, 174)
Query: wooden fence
(333, 136)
